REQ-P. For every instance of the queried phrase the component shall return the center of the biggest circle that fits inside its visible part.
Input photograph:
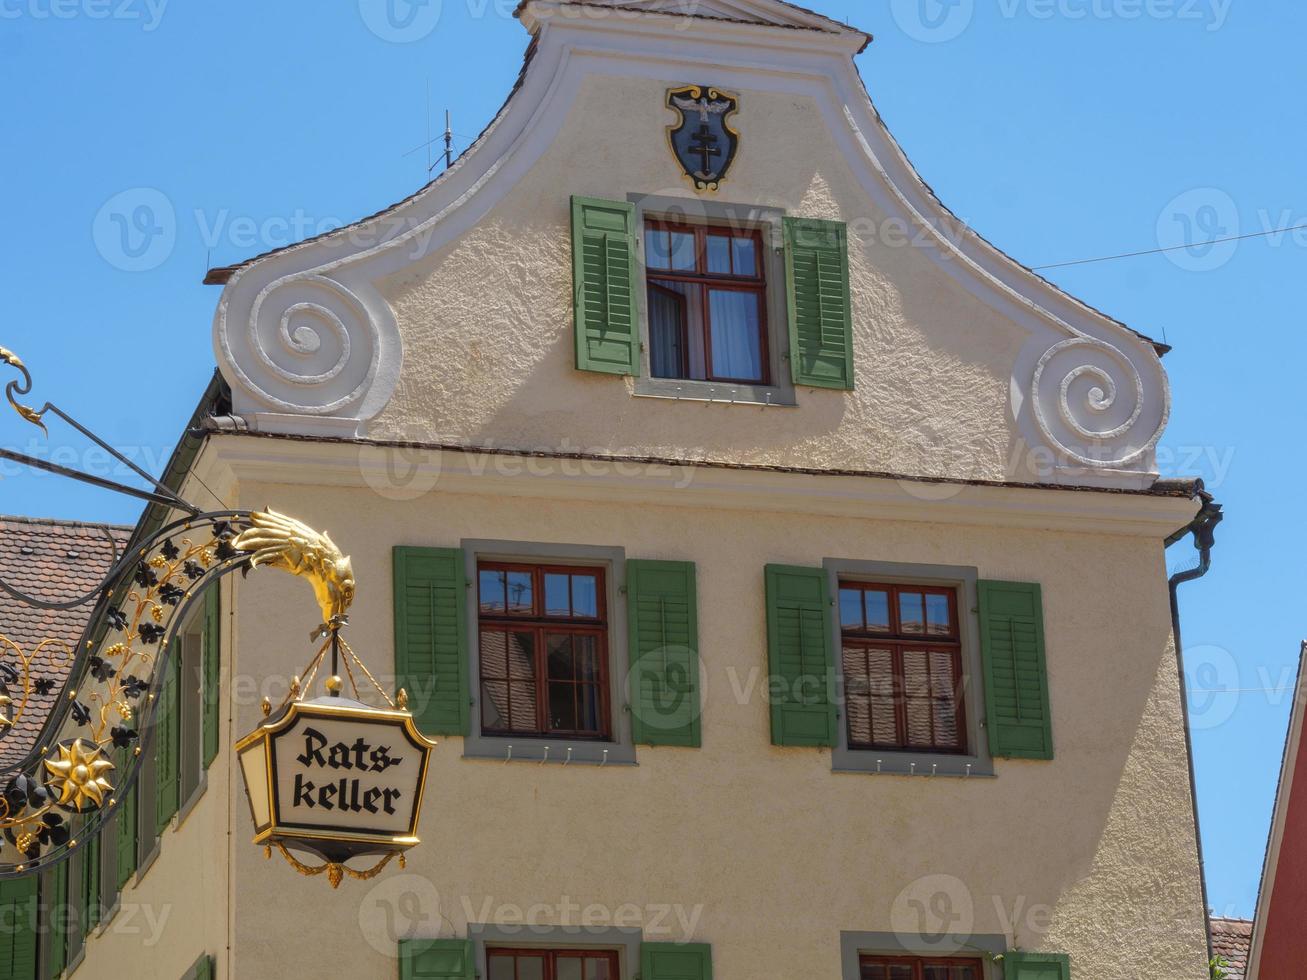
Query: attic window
(707, 303)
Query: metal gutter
(1203, 529)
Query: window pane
(937, 615)
(877, 610)
(657, 249)
(557, 599)
(531, 967)
(586, 649)
(599, 970)
(559, 650)
(850, 609)
(736, 335)
(494, 654)
(912, 615)
(569, 968)
(916, 699)
(492, 592)
(746, 258)
(562, 707)
(667, 326)
(587, 697)
(520, 597)
(683, 252)
(501, 968)
(944, 685)
(870, 696)
(522, 656)
(719, 255)
(585, 596)
(494, 706)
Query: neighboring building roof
(1278, 944)
(1231, 941)
(53, 561)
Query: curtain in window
(666, 333)
(736, 337)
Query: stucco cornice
(405, 472)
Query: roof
(1232, 940)
(52, 561)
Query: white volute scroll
(308, 351)
(1091, 403)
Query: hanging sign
(336, 778)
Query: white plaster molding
(373, 467)
(1086, 388)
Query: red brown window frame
(538, 623)
(919, 964)
(551, 957)
(705, 280)
(897, 641)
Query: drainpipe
(1203, 529)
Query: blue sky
(1060, 129)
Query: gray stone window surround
(854, 945)
(780, 393)
(625, 942)
(620, 750)
(977, 762)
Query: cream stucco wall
(487, 321)
(1091, 854)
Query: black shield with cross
(704, 142)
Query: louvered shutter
(799, 652)
(604, 284)
(436, 959)
(18, 940)
(167, 750)
(662, 623)
(126, 837)
(90, 884)
(820, 304)
(212, 672)
(1036, 966)
(674, 961)
(56, 913)
(1016, 674)
(431, 661)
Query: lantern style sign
(336, 778)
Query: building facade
(779, 565)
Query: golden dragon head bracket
(282, 542)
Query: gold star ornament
(77, 776)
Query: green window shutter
(670, 961)
(126, 838)
(167, 751)
(205, 969)
(604, 280)
(1036, 966)
(1016, 674)
(820, 305)
(436, 959)
(799, 653)
(18, 938)
(431, 661)
(663, 623)
(212, 672)
(56, 915)
(90, 898)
